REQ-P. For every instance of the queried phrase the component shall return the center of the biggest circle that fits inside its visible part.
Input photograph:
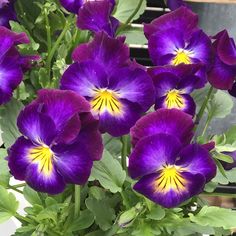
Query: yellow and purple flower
(59, 144)
(223, 72)
(168, 172)
(117, 92)
(12, 63)
(175, 39)
(173, 85)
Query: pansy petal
(90, 132)
(181, 19)
(200, 47)
(172, 197)
(18, 157)
(73, 162)
(196, 159)
(222, 75)
(95, 16)
(226, 48)
(61, 105)
(111, 52)
(165, 82)
(70, 131)
(11, 76)
(151, 153)
(52, 183)
(36, 126)
(72, 5)
(232, 91)
(133, 85)
(119, 124)
(164, 43)
(168, 121)
(175, 4)
(83, 78)
(183, 102)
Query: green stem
(203, 107)
(19, 185)
(129, 20)
(134, 13)
(125, 199)
(77, 201)
(23, 219)
(57, 43)
(124, 152)
(48, 30)
(206, 126)
(15, 189)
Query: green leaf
(9, 114)
(31, 196)
(143, 229)
(26, 49)
(156, 213)
(104, 215)
(4, 169)
(109, 173)
(215, 217)
(43, 77)
(126, 8)
(223, 157)
(85, 220)
(221, 105)
(8, 205)
(134, 35)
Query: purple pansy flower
(180, 42)
(168, 173)
(7, 12)
(118, 93)
(174, 4)
(173, 85)
(74, 5)
(168, 121)
(59, 144)
(96, 16)
(11, 63)
(223, 72)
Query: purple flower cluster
(103, 90)
(94, 15)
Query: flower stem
(124, 152)
(23, 219)
(48, 30)
(15, 189)
(134, 13)
(77, 201)
(57, 43)
(203, 107)
(130, 19)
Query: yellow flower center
(182, 56)
(42, 155)
(174, 99)
(170, 179)
(106, 100)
